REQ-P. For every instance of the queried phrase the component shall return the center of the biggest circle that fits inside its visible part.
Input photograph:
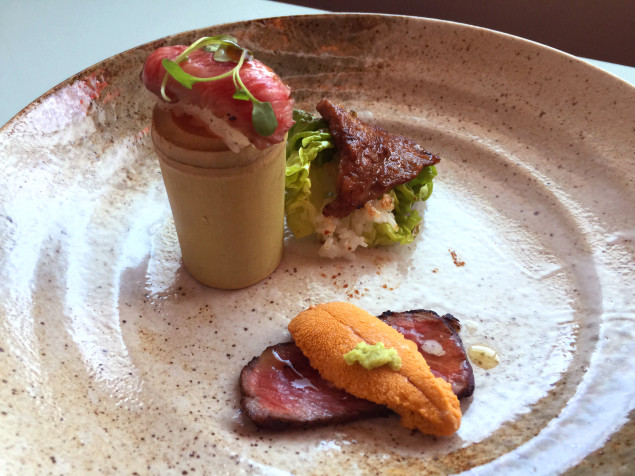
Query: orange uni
(326, 332)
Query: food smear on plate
(353, 184)
(219, 129)
(483, 356)
(282, 389)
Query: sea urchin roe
(483, 356)
(325, 332)
(373, 356)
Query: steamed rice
(342, 236)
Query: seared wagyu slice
(438, 341)
(281, 390)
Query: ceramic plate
(114, 360)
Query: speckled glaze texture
(113, 360)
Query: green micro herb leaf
(241, 94)
(263, 118)
(225, 48)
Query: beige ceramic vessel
(113, 360)
(228, 207)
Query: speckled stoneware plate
(114, 360)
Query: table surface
(47, 42)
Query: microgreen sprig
(225, 48)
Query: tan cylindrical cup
(228, 208)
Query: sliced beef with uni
(281, 390)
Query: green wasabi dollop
(373, 356)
